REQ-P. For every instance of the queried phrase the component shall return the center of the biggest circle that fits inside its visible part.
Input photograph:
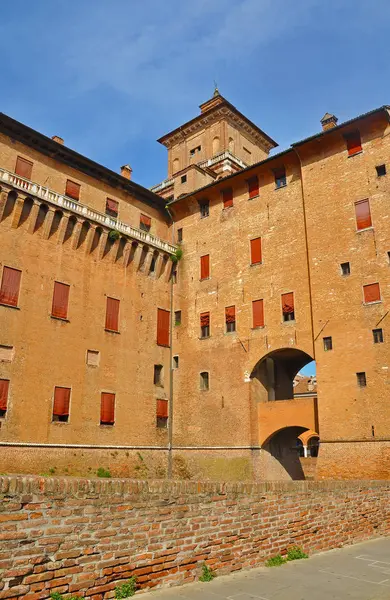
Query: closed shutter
(163, 318)
(60, 300)
(162, 409)
(258, 313)
(107, 409)
(10, 284)
(256, 251)
(230, 314)
(363, 214)
(253, 186)
(227, 196)
(372, 293)
(61, 401)
(23, 167)
(288, 303)
(204, 319)
(145, 222)
(72, 190)
(4, 386)
(112, 314)
(354, 143)
(205, 266)
(112, 207)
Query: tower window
(354, 143)
(230, 319)
(158, 375)
(288, 309)
(227, 197)
(145, 222)
(371, 293)
(162, 413)
(205, 267)
(4, 387)
(381, 170)
(180, 234)
(175, 364)
(195, 151)
(72, 189)
(280, 177)
(377, 335)
(23, 167)
(112, 208)
(204, 381)
(363, 214)
(177, 317)
(204, 208)
(61, 404)
(345, 268)
(328, 345)
(205, 325)
(183, 179)
(361, 379)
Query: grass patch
(275, 561)
(296, 553)
(101, 472)
(207, 573)
(126, 589)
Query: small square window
(177, 317)
(93, 358)
(161, 422)
(180, 234)
(6, 353)
(371, 293)
(175, 362)
(381, 170)
(345, 268)
(204, 381)
(327, 343)
(183, 179)
(158, 375)
(377, 335)
(204, 207)
(280, 177)
(361, 379)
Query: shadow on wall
(282, 447)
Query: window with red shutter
(354, 143)
(227, 197)
(205, 266)
(372, 293)
(280, 177)
(162, 413)
(112, 314)
(288, 310)
(60, 300)
(23, 167)
(4, 387)
(112, 207)
(256, 257)
(258, 313)
(61, 404)
(10, 285)
(163, 322)
(230, 319)
(107, 409)
(363, 214)
(253, 186)
(205, 325)
(145, 222)
(72, 190)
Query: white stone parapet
(48, 195)
(222, 156)
(162, 185)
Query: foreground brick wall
(87, 536)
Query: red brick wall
(87, 536)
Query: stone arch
(281, 451)
(216, 145)
(10, 204)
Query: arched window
(231, 145)
(215, 145)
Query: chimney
(126, 171)
(58, 139)
(328, 121)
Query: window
(72, 190)
(61, 404)
(93, 358)
(112, 208)
(195, 150)
(4, 387)
(327, 343)
(377, 334)
(345, 268)
(280, 177)
(354, 143)
(230, 319)
(205, 325)
(145, 222)
(288, 306)
(163, 327)
(371, 293)
(204, 381)
(381, 170)
(107, 409)
(253, 186)
(361, 379)
(23, 167)
(175, 362)
(6, 353)
(180, 234)
(183, 179)
(10, 284)
(363, 214)
(204, 208)
(177, 317)
(162, 413)
(112, 314)
(227, 197)
(205, 266)
(158, 375)
(59, 307)
(256, 251)
(258, 313)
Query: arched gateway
(282, 418)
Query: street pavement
(359, 572)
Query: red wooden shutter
(163, 318)
(204, 319)
(61, 401)
(112, 207)
(162, 409)
(112, 314)
(288, 303)
(60, 300)
(354, 143)
(10, 284)
(253, 186)
(230, 314)
(372, 293)
(4, 386)
(23, 167)
(205, 266)
(145, 220)
(107, 408)
(256, 251)
(258, 313)
(227, 196)
(363, 214)
(72, 190)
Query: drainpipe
(170, 401)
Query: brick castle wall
(87, 536)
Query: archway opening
(286, 450)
